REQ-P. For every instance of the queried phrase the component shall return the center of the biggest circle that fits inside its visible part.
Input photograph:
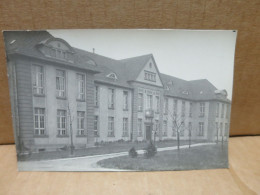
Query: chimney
(93, 50)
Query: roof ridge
(150, 54)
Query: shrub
(132, 153)
(150, 151)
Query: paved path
(85, 163)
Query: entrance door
(148, 133)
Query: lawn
(201, 157)
(105, 148)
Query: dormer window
(112, 76)
(91, 62)
(185, 92)
(149, 76)
(167, 87)
(58, 49)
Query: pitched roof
(192, 90)
(26, 42)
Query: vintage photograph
(120, 100)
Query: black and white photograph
(122, 99)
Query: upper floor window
(38, 80)
(165, 106)
(81, 86)
(39, 121)
(125, 127)
(149, 101)
(157, 104)
(222, 110)
(149, 76)
(96, 96)
(112, 76)
(183, 108)
(217, 110)
(125, 100)
(227, 111)
(61, 122)
(202, 109)
(60, 83)
(175, 104)
(190, 112)
(140, 102)
(111, 98)
(81, 122)
(201, 129)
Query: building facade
(63, 96)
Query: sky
(186, 54)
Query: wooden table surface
(243, 177)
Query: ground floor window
(182, 130)
(157, 127)
(164, 128)
(96, 132)
(39, 121)
(125, 127)
(201, 129)
(140, 129)
(111, 130)
(61, 122)
(81, 122)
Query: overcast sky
(186, 54)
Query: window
(217, 110)
(226, 129)
(125, 127)
(39, 121)
(111, 98)
(140, 129)
(96, 96)
(222, 110)
(112, 76)
(183, 108)
(201, 129)
(190, 128)
(140, 102)
(149, 101)
(61, 122)
(38, 80)
(81, 122)
(149, 76)
(221, 129)
(217, 130)
(165, 128)
(111, 130)
(175, 104)
(157, 126)
(125, 99)
(182, 129)
(227, 111)
(202, 109)
(81, 86)
(190, 112)
(157, 104)
(165, 106)
(60, 83)
(96, 133)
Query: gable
(150, 74)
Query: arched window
(112, 75)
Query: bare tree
(178, 124)
(71, 118)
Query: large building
(62, 95)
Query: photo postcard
(120, 100)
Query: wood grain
(241, 15)
(243, 177)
